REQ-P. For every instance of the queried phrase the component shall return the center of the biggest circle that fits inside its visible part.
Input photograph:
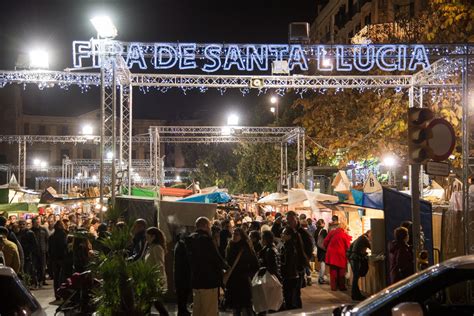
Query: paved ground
(314, 298)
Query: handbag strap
(235, 262)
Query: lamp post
(275, 109)
(390, 162)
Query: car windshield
(397, 289)
(16, 300)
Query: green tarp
(4, 195)
(141, 192)
(19, 207)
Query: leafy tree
(348, 125)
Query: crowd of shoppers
(214, 264)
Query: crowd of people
(215, 263)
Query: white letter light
(135, 56)
(187, 56)
(166, 51)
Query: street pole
(415, 210)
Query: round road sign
(443, 139)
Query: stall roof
(274, 199)
(215, 197)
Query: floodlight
(273, 100)
(43, 164)
(272, 109)
(87, 130)
(36, 162)
(104, 27)
(232, 120)
(178, 179)
(110, 155)
(39, 59)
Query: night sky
(55, 24)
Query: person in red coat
(337, 242)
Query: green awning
(141, 192)
(19, 207)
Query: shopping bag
(267, 292)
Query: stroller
(76, 293)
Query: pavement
(314, 297)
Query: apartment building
(338, 21)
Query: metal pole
(281, 168)
(303, 140)
(286, 165)
(465, 154)
(415, 209)
(114, 132)
(130, 140)
(120, 156)
(102, 135)
(19, 162)
(298, 149)
(24, 163)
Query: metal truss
(56, 139)
(269, 82)
(46, 79)
(22, 163)
(230, 134)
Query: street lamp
(274, 109)
(39, 59)
(104, 26)
(390, 162)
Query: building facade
(338, 21)
(13, 121)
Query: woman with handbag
(319, 236)
(237, 280)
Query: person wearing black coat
(304, 248)
(31, 251)
(319, 236)
(238, 288)
(57, 249)
(225, 235)
(42, 238)
(359, 262)
(138, 246)
(269, 256)
(182, 276)
(207, 267)
(289, 269)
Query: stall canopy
(296, 196)
(215, 197)
(274, 199)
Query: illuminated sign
(254, 57)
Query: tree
(348, 125)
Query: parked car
(15, 298)
(439, 290)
